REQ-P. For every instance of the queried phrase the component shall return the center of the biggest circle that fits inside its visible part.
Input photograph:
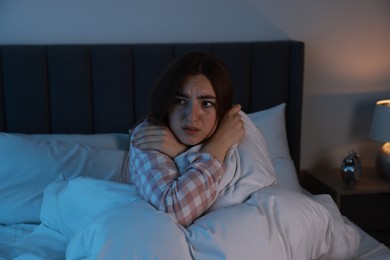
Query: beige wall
(347, 69)
(347, 64)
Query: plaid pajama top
(185, 187)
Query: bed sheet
(30, 242)
(12, 233)
(370, 248)
(12, 236)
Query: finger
(147, 139)
(155, 127)
(149, 146)
(149, 131)
(235, 109)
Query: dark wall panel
(25, 89)
(70, 88)
(112, 77)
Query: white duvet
(95, 219)
(253, 218)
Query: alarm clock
(351, 168)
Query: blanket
(110, 221)
(252, 218)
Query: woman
(177, 153)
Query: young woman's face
(193, 115)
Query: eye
(179, 101)
(207, 104)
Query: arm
(185, 195)
(157, 136)
(230, 132)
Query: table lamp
(380, 131)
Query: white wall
(347, 64)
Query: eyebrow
(180, 94)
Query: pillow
(286, 174)
(110, 140)
(272, 124)
(249, 168)
(28, 165)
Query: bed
(65, 113)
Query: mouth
(190, 130)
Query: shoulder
(141, 125)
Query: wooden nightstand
(366, 202)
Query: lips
(191, 130)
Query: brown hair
(173, 79)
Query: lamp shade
(380, 126)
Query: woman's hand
(160, 138)
(230, 131)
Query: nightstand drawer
(370, 211)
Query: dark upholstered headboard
(105, 88)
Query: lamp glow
(380, 131)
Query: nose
(192, 111)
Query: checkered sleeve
(184, 195)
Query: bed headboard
(105, 88)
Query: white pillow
(272, 124)
(286, 174)
(249, 167)
(109, 140)
(28, 165)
